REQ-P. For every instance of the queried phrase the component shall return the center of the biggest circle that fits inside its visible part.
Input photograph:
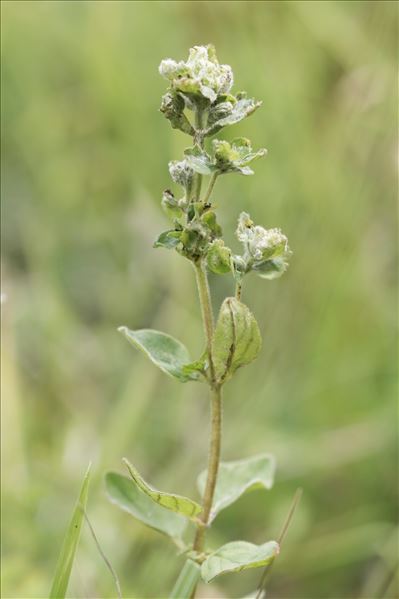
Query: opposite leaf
(238, 111)
(236, 340)
(176, 503)
(124, 493)
(164, 351)
(238, 477)
(238, 556)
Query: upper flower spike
(200, 75)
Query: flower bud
(170, 205)
(266, 250)
(181, 173)
(219, 257)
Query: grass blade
(69, 546)
(187, 581)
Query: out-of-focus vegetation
(85, 155)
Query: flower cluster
(201, 75)
(202, 84)
(266, 251)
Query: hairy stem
(206, 311)
(216, 410)
(200, 140)
(210, 187)
(213, 466)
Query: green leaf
(168, 239)
(164, 351)
(176, 503)
(70, 544)
(241, 109)
(235, 156)
(199, 161)
(187, 581)
(199, 366)
(237, 556)
(271, 269)
(124, 493)
(218, 257)
(236, 340)
(236, 478)
(172, 107)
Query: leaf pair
(236, 342)
(169, 513)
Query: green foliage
(229, 111)
(124, 493)
(227, 157)
(164, 351)
(235, 157)
(70, 544)
(168, 240)
(236, 340)
(237, 556)
(219, 257)
(181, 505)
(238, 477)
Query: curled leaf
(176, 503)
(236, 340)
(219, 257)
(124, 493)
(232, 114)
(172, 106)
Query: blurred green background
(85, 155)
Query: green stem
(216, 410)
(206, 311)
(213, 466)
(210, 187)
(200, 140)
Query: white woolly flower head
(201, 74)
(261, 244)
(181, 172)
